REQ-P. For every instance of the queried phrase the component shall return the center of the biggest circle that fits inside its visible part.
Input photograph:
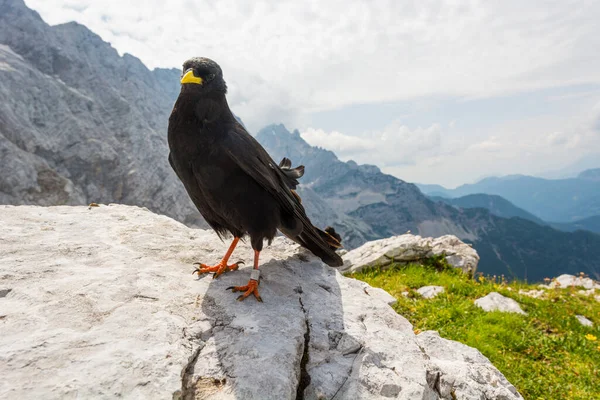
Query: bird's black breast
(226, 196)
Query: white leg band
(255, 274)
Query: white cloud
(345, 146)
(283, 58)
(433, 155)
(395, 145)
(490, 145)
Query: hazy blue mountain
(590, 175)
(497, 205)
(558, 200)
(501, 207)
(589, 161)
(591, 224)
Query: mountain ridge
(556, 200)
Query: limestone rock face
(496, 302)
(100, 303)
(463, 372)
(411, 248)
(79, 123)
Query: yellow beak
(189, 77)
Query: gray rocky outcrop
(411, 248)
(99, 302)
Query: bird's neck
(207, 109)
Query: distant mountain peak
(590, 174)
(277, 135)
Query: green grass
(545, 354)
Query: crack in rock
(433, 380)
(188, 384)
(304, 379)
(349, 374)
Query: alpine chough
(232, 180)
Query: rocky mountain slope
(79, 123)
(115, 313)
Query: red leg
(222, 265)
(252, 286)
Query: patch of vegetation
(546, 354)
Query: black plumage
(232, 180)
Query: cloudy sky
(431, 91)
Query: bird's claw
(217, 269)
(250, 288)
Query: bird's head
(203, 76)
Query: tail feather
(326, 254)
(331, 237)
(321, 243)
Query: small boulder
(566, 280)
(429, 292)
(496, 302)
(411, 248)
(584, 321)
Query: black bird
(232, 180)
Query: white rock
(584, 321)
(588, 292)
(496, 302)
(411, 248)
(543, 286)
(380, 294)
(566, 280)
(100, 303)
(429, 292)
(536, 294)
(463, 372)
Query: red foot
(250, 288)
(218, 269)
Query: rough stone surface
(411, 248)
(429, 292)
(455, 361)
(496, 302)
(566, 280)
(380, 294)
(100, 303)
(584, 321)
